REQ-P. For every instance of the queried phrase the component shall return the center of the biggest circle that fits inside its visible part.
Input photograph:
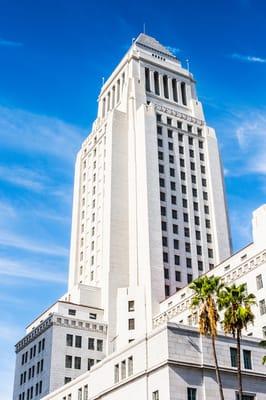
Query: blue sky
(53, 55)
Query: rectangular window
(189, 263)
(247, 359)
(67, 379)
(170, 146)
(259, 282)
(191, 393)
(175, 228)
(131, 324)
(99, 345)
(182, 162)
(200, 265)
(166, 273)
(174, 214)
(172, 185)
(155, 395)
(130, 366)
(68, 362)
(233, 357)
(176, 244)
(162, 196)
(77, 362)
(164, 226)
(80, 394)
(85, 392)
(163, 211)
(167, 290)
(78, 341)
(172, 172)
(178, 276)
(116, 373)
(123, 369)
(90, 363)
(165, 257)
(170, 133)
(91, 343)
(164, 241)
(131, 306)
(177, 259)
(184, 203)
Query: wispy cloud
(30, 245)
(174, 50)
(247, 58)
(41, 134)
(27, 270)
(23, 177)
(10, 43)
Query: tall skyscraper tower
(149, 210)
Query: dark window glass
(177, 259)
(178, 276)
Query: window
(130, 366)
(90, 363)
(209, 238)
(68, 362)
(247, 359)
(170, 133)
(157, 87)
(181, 149)
(175, 228)
(160, 142)
(165, 257)
(195, 206)
(204, 182)
(183, 93)
(164, 226)
(246, 397)
(174, 88)
(264, 331)
(202, 168)
(123, 369)
(164, 241)
(196, 220)
(259, 282)
(67, 379)
(170, 146)
(191, 393)
(199, 250)
(166, 273)
(155, 395)
(173, 199)
(172, 185)
(201, 157)
(186, 232)
(69, 340)
(179, 124)
(131, 306)
(169, 121)
(184, 189)
(178, 276)
(77, 362)
(163, 211)
(191, 153)
(162, 196)
(187, 247)
(200, 265)
(171, 159)
(85, 392)
(183, 175)
(233, 357)
(99, 345)
(176, 244)
(210, 253)
(161, 168)
(184, 203)
(189, 263)
(160, 155)
(172, 172)
(200, 143)
(177, 259)
(116, 373)
(207, 223)
(205, 195)
(147, 80)
(161, 181)
(80, 394)
(159, 130)
(206, 209)
(91, 343)
(185, 217)
(194, 192)
(131, 324)
(167, 290)
(165, 87)
(174, 214)
(78, 341)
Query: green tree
(263, 344)
(236, 303)
(206, 291)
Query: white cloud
(40, 134)
(23, 269)
(23, 177)
(247, 58)
(13, 240)
(174, 50)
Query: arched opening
(156, 83)
(174, 88)
(147, 80)
(184, 93)
(165, 87)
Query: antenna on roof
(103, 79)
(144, 27)
(187, 61)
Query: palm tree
(237, 315)
(206, 290)
(263, 344)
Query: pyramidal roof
(153, 44)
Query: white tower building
(149, 208)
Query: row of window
(31, 372)
(72, 361)
(28, 355)
(30, 393)
(113, 96)
(192, 395)
(123, 370)
(175, 231)
(168, 84)
(171, 159)
(246, 358)
(179, 125)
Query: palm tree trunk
(218, 376)
(239, 374)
